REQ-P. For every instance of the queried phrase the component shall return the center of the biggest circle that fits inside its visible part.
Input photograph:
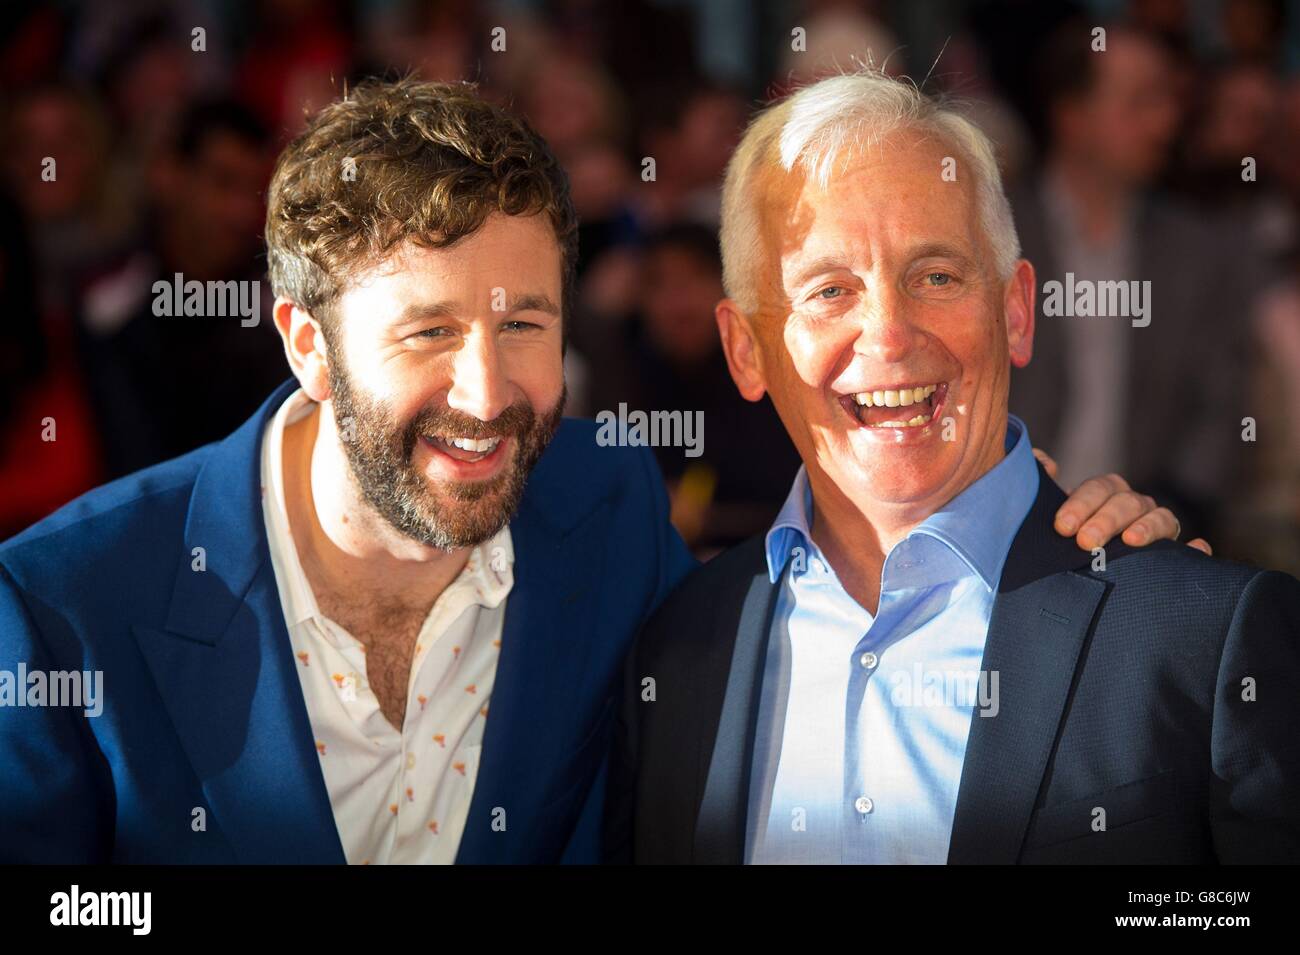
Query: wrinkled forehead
(911, 188)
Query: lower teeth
(912, 423)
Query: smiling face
(882, 329)
(446, 378)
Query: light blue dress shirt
(863, 721)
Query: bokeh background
(1122, 165)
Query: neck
(856, 536)
(344, 546)
(1099, 199)
(853, 546)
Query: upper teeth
(469, 444)
(895, 399)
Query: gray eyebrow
(927, 250)
(821, 264)
(939, 250)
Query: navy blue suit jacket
(1163, 689)
(202, 705)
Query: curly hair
(399, 160)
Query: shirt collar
(489, 571)
(792, 527)
(978, 525)
(296, 595)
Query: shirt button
(863, 805)
(869, 660)
(410, 760)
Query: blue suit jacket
(202, 705)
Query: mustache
(517, 419)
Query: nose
(886, 332)
(478, 385)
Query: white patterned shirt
(397, 797)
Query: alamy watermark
(76, 688)
(75, 907)
(654, 429)
(1084, 298)
(179, 298)
(945, 688)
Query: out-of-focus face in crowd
(1125, 123)
(1241, 115)
(681, 289)
(53, 123)
(214, 197)
(706, 137)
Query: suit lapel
(734, 676)
(238, 709)
(546, 650)
(1041, 619)
(224, 669)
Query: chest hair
(388, 632)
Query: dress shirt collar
(978, 525)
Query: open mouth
(468, 450)
(909, 406)
(466, 459)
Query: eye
(938, 279)
(520, 326)
(440, 331)
(830, 292)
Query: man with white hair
(910, 666)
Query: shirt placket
(857, 803)
(420, 767)
(860, 801)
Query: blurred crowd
(164, 119)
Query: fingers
(1087, 499)
(1160, 524)
(1104, 506)
(1048, 463)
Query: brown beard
(379, 451)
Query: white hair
(833, 119)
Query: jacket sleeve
(620, 796)
(1255, 734)
(48, 757)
